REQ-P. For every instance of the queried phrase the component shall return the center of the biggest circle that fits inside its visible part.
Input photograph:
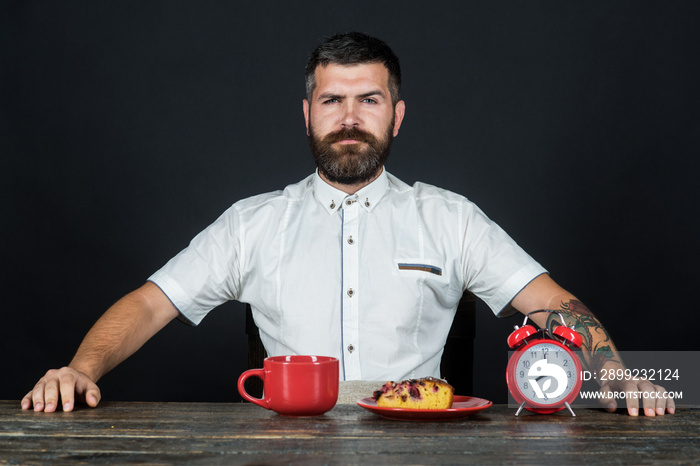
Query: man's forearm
(544, 293)
(598, 348)
(122, 330)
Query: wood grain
(242, 433)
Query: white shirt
(373, 279)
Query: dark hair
(354, 48)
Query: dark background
(129, 126)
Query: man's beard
(351, 163)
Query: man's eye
(330, 101)
(369, 101)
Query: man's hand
(122, 330)
(653, 401)
(66, 385)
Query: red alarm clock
(544, 373)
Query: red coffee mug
(295, 385)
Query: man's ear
(305, 108)
(399, 112)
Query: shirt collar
(332, 199)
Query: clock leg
(571, 410)
(522, 405)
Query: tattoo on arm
(597, 344)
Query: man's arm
(118, 334)
(599, 351)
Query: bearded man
(350, 262)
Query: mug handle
(241, 387)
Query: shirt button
(348, 202)
(351, 348)
(350, 292)
(351, 241)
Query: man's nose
(350, 116)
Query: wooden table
(238, 433)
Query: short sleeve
(207, 272)
(495, 268)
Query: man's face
(351, 121)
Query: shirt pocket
(428, 272)
(431, 268)
(421, 266)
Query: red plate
(462, 406)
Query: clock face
(544, 373)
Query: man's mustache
(350, 133)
